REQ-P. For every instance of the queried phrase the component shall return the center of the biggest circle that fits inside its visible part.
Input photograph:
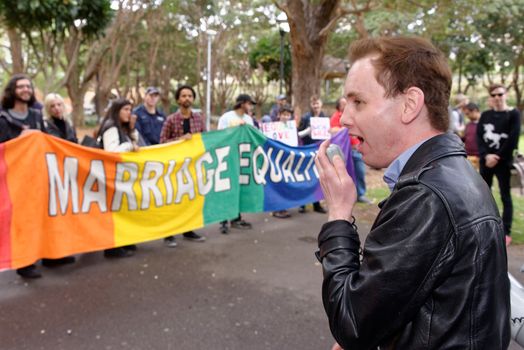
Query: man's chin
(373, 163)
(23, 99)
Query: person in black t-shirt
(181, 126)
(17, 118)
(498, 133)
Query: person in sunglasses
(498, 133)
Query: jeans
(503, 173)
(360, 172)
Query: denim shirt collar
(394, 170)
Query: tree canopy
(112, 47)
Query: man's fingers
(322, 155)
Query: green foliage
(266, 53)
(57, 15)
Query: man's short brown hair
(403, 62)
(314, 98)
(495, 86)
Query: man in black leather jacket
(433, 270)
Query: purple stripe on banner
(341, 138)
(291, 177)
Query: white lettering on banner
(69, 185)
(164, 184)
(299, 177)
(311, 162)
(243, 179)
(287, 168)
(185, 182)
(96, 176)
(260, 174)
(168, 183)
(149, 184)
(274, 166)
(204, 184)
(220, 183)
(124, 186)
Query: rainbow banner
(58, 198)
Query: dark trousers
(238, 218)
(360, 172)
(503, 173)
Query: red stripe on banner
(6, 212)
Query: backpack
(89, 141)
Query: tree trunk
(77, 102)
(516, 84)
(15, 48)
(310, 24)
(306, 76)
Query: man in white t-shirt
(240, 115)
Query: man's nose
(346, 118)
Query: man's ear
(413, 103)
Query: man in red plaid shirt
(185, 122)
(181, 126)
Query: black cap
(242, 98)
(152, 90)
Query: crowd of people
(432, 273)
(127, 128)
(490, 139)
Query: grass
(517, 230)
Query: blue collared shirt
(394, 170)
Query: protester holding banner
(17, 118)
(55, 121)
(240, 115)
(305, 134)
(181, 126)
(118, 134)
(57, 125)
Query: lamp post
(210, 34)
(283, 28)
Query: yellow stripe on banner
(167, 198)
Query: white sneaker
(170, 242)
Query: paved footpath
(257, 289)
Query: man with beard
(16, 118)
(240, 115)
(149, 119)
(181, 126)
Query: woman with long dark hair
(118, 134)
(117, 130)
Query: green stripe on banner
(223, 200)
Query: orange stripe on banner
(6, 211)
(35, 232)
